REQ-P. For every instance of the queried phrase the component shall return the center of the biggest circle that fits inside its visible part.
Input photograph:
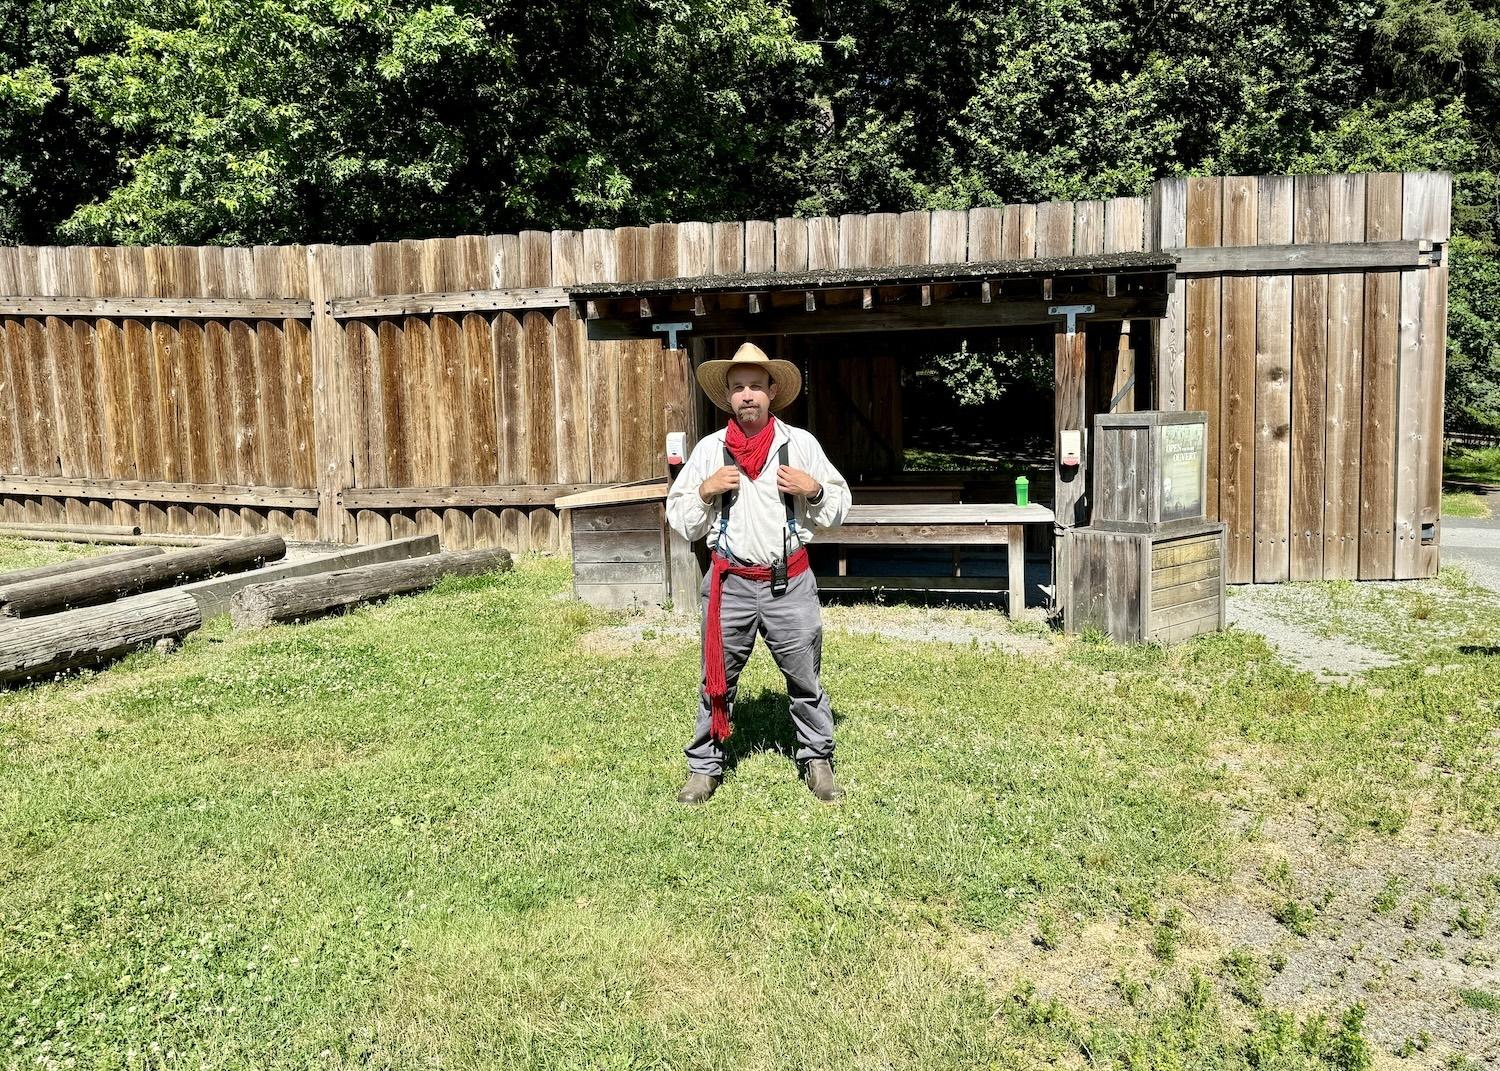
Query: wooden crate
(1145, 587)
(620, 555)
(1150, 471)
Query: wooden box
(1145, 587)
(620, 545)
(1149, 471)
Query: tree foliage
(350, 120)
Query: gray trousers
(793, 628)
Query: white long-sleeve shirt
(758, 517)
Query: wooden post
(683, 568)
(333, 458)
(1068, 405)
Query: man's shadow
(763, 722)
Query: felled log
(74, 565)
(82, 532)
(89, 587)
(53, 535)
(290, 600)
(44, 646)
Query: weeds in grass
(1168, 935)
(1472, 921)
(1295, 916)
(1245, 976)
(1482, 999)
(1388, 897)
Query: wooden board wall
(1324, 391)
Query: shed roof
(894, 275)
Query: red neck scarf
(750, 453)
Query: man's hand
(796, 482)
(724, 480)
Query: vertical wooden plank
(984, 235)
(418, 389)
(853, 247)
(604, 361)
(668, 366)
(1426, 198)
(1069, 367)
(1309, 383)
(948, 242)
(760, 246)
(199, 419)
(822, 243)
(275, 386)
(1198, 299)
(441, 272)
(728, 248)
(141, 377)
(541, 416)
(1088, 227)
(334, 460)
(297, 348)
(238, 274)
(11, 419)
(882, 238)
(791, 244)
(1018, 231)
(1124, 225)
(1427, 214)
(1273, 389)
(914, 238)
(1345, 397)
(507, 350)
(385, 278)
(1169, 212)
(571, 375)
(638, 379)
(364, 424)
(1377, 490)
(1054, 229)
(543, 530)
(49, 364)
(1237, 386)
(218, 384)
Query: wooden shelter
(445, 386)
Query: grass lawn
(1464, 504)
(440, 833)
(1479, 466)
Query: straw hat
(713, 377)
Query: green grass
(441, 831)
(1464, 504)
(1479, 466)
(27, 553)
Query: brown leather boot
(698, 788)
(819, 778)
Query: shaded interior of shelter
(892, 413)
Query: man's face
(750, 394)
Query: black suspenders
(727, 500)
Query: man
(756, 489)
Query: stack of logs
(88, 611)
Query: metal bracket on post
(670, 342)
(1072, 312)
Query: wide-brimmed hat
(713, 377)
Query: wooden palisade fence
(355, 393)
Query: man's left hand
(796, 482)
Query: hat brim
(713, 377)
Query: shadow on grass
(1488, 652)
(763, 722)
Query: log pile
(296, 599)
(104, 583)
(74, 565)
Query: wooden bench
(938, 524)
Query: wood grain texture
(1345, 389)
(1377, 491)
(1238, 386)
(1311, 223)
(1202, 211)
(1273, 390)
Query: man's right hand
(725, 480)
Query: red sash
(713, 632)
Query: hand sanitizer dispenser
(676, 447)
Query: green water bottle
(1023, 491)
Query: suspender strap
(728, 498)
